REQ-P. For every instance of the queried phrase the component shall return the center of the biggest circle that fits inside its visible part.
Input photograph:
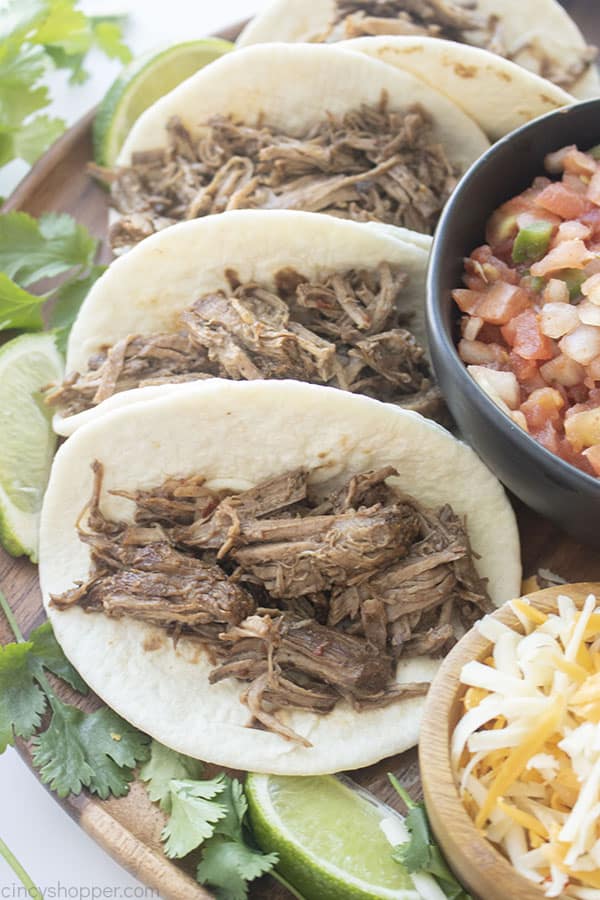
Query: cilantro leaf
(19, 308)
(194, 812)
(163, 767)
(22, 703)
(235, 804)
(47, 653)
(35, 136)
(95, 750)
(68, 299)
(31, 250)
(34, 35)
(421, 853)
(230, 865)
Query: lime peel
(27, 364)
(141, 83)
(305, 821)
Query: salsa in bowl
(496, 212)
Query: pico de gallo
(530, 329)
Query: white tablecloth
(60, 858)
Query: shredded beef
(346, 331)
(373, 164)
(454, 20)
(308, 594)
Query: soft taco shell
(498, 94)
(237, 434)
(293, 87)
(144, 291)
(545, 23)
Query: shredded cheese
(527, 749)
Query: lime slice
(328, 838)
(140, 84)
(27, 364)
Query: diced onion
(589, 313)
(556, 291)
(503, 385)
(582, 344)
(563, 371)
(558, 319)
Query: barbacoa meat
(373, 164)
(346, 331)
(306, 593)
(454, 20)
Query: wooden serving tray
(129, 828)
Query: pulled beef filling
(373, 164)
(345, 331)
(454, 20)
(307, 597)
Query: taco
(498, 94)
(540, 37)
(250, 295)
(264, 575)
(312, 128)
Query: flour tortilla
(543, 22)
(237, 434)
(499, 95)
(292, 88)
(144, 291)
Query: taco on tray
(539, 36)
(312, 127)
(250, 295)
(264, 574)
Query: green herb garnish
(36, 35)
(31, 250)
(206, 813)
(95, 750)
(421, 853)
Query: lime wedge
(328, 838)
(27, 364)
(140, 84)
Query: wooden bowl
(486, 873)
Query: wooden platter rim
(102, 819)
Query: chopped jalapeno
(532, 242)
(573, 278)
(534, 283)
(595, 151)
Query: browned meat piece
(346, 662)
(344, 332)
(370, 165)
(133, 362)
(353, 545)
(454, 20)
(391, 695)
(255, 576)
(229, 517)
(435, 642)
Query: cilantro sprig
(97, 750)
(35, 36)
(210, 814)
(421, 853)
(31, 250)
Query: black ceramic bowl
(542, 480)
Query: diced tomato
(502, 303)
(467, 301)
(593, 191)
(529, 342)
(592, 454)
(578, 163)
(543, 405)
(575, 183)
(493, 268)
(565, 450)
(567, 255)
(524, 369)
(491, 334)
(547, 436)
(562, 201)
